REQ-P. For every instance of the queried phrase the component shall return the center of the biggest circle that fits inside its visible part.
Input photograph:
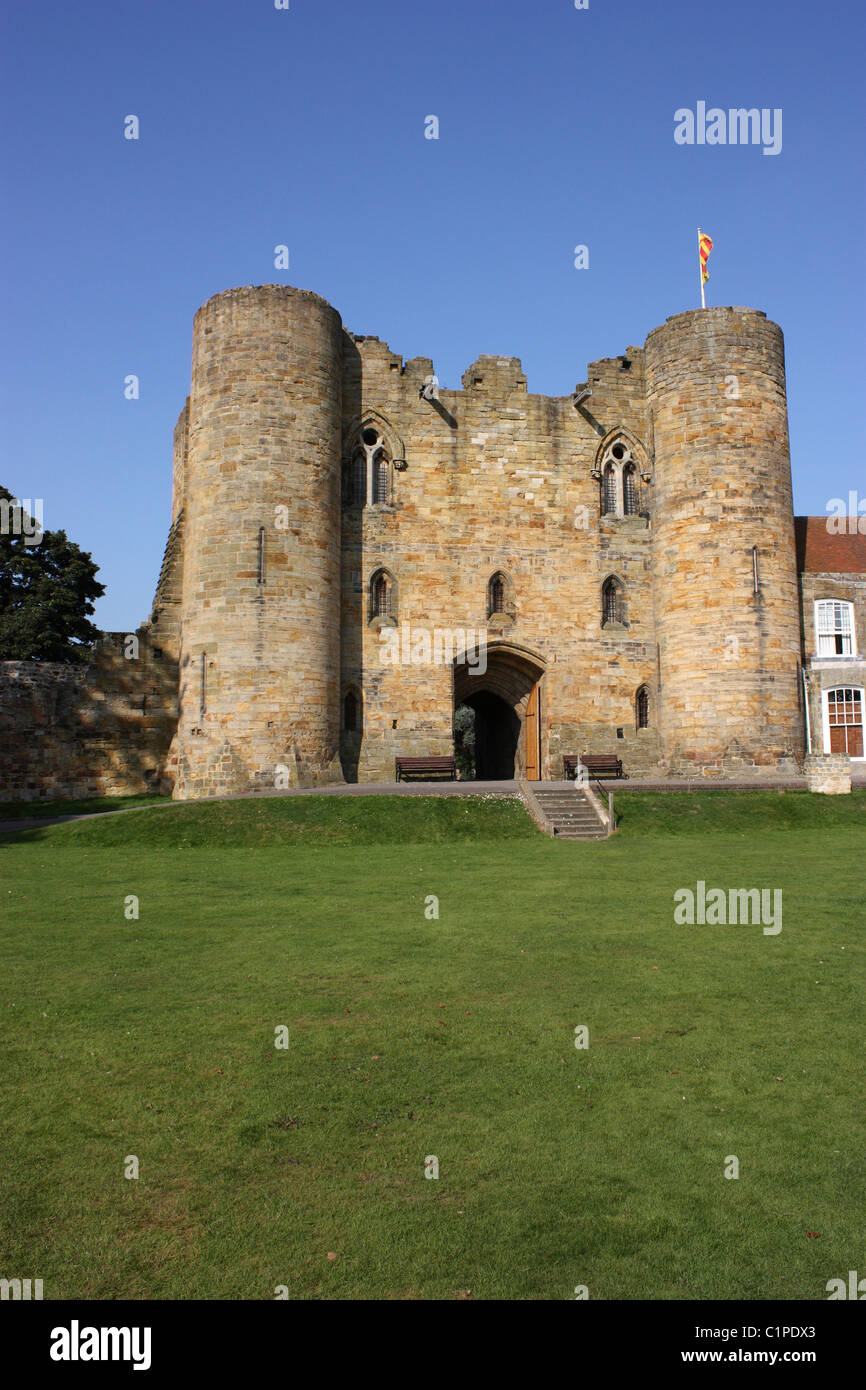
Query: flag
(705, 246)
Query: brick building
(832, 569)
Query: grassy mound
(736, 812)
(315, 820)
(376, 820)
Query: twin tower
(267, 596)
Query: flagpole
(701, 272)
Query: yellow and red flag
(705, 246)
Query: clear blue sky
(306, 127)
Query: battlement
(246, 295)
(495, 376)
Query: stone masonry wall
(99, 729)
(497, 480)
(259, 662)
(729, 648)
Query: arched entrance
(506, 701)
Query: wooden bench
(603, 765)
(596, 764)
(424, 767)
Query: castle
(625, 559)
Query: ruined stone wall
(75, 731)
(178, 474)
(165, 618)
(166, 612)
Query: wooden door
(532, 730)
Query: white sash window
(834, 628)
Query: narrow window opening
(642, 708)
(381, 479)
(629, 491)
(359, 479)
(381, 596)
(613, 603)
(609, 491)
(261, 563)
(496, 595)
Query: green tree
(464, 741)
(46, 591)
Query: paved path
(441, 788)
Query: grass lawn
(412, 1036)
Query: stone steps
(570, 813)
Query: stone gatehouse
(355, 553)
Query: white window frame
(834, 617)
(825, 715)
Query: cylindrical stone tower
(259, 666)
(724, 563)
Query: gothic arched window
(381, 595)
(612, 602)
(642, 708)
(500, 598)
(351, 713)
(619, 467)
(370, 473)
(496, 595)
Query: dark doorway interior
(497, 730)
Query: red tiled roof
(820, 551)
